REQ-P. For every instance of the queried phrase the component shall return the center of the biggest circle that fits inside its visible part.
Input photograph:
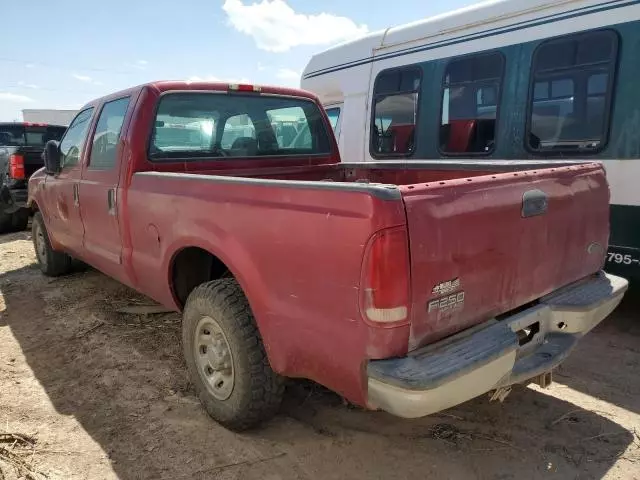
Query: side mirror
(51, 156)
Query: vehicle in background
(511, 80)
(48, 115)
(407, 288)
(21, 146)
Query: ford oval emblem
(595, 248)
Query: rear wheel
(226, 357)
(52, 263)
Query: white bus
(507, 79)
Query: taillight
(16, 167)
(385, 278)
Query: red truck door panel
(98, 191)
(61, 191)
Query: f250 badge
(454, 301)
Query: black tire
(20, 220)
(257, 391)
(52, 263)
(5, 223)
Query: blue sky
(67, 52)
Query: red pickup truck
(406, 287)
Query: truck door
(99, 191)
(61, 191)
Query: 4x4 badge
(446, 287)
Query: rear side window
(571, 91)
(107, 135)
(395, 112)
(197, 125)
(470, 98)
(72, 145)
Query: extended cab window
(470, 96)
(395, 111)
(107, 135)
(571, 90)
(74, 140)
(197, 125)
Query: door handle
(76, 195)
(111, 201)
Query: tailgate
(483, 246)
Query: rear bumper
(492, 355)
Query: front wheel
(52, 263)
(226, 358)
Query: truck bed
(499, 235)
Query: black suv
(21, 146)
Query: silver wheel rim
(41, 245)
(213, 358)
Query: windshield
(16, 135)
(215, 125)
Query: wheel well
(193, 266)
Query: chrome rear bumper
(496, 354)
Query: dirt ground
(90, 393)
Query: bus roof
(477, 17)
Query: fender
(242, 267)
(35, 202)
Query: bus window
(470, 97)
(334, 115)
(571, 93)
(395, 109)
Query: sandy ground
(101, 395)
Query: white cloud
(13, 97)
(212, 78)
(28, 85)
(142, 62)
(82, 78)
(276, 27)
(30, 65)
